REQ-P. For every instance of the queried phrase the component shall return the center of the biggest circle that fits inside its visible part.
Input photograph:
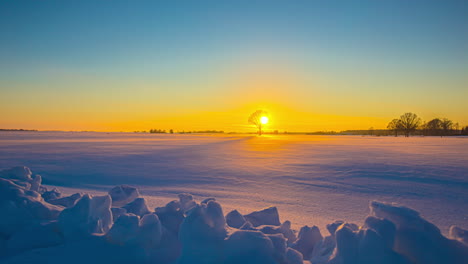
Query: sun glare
(264, 120)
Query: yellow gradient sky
(313, 65)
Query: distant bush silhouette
(157, 131)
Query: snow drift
(41, 226)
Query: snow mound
(89, 215)
(123, 194)
(40, 226)
(417, 239)
(22, 207)
(171, 216)
(459, 234)
(17, 173)
(308, 238)
(268, 216)
(138, 207)
(68, 201)
(235, 219)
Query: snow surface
(84, 207)
(312, 180)
(91, 230)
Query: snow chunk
(334, 226)
(89, 215)
(308, 238)
(19, 173)
(23, 207)
(235, 219)
(294, 257)
(68, 201)
(186, 201)
(202, 234)
(284, 229)
(248, 226)
(35, 236)
(323, 250)
(365, 246)
(268, 216)
(279, 244)
(417, 239)
(52, 194)
(385, 228)
(36, 183)
(288, 233)
(150, 232)
(207, 200)
(347, 244)
(171, 216)
(249, 247)
(459, 234)
(117, 212)
(137, 207)
(123, 194)
(124, 229)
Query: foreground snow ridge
(41, 226)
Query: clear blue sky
(148, 61)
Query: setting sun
(264, 120)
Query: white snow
(235, 219)
(308, 238)
(137, 207)
(324, 182)
(123, 194)
(267, 216)
(88, 216)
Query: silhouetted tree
(255, 119)
(456, 127)
(434, 127)
(464, 131)
(446, 125)
(409, 122)
(157, 131)
(395, 126)
(171, 131)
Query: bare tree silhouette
(447, 126)
(395, 126)
(409, 123)
(256, 119)
(434, 127)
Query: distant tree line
(171, 131)
(14, 129)
(158, 131)
(410, 124)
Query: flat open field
(313, 180)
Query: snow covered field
(312, 180)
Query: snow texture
(36, 231)
(310, 179)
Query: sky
(198, 65)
